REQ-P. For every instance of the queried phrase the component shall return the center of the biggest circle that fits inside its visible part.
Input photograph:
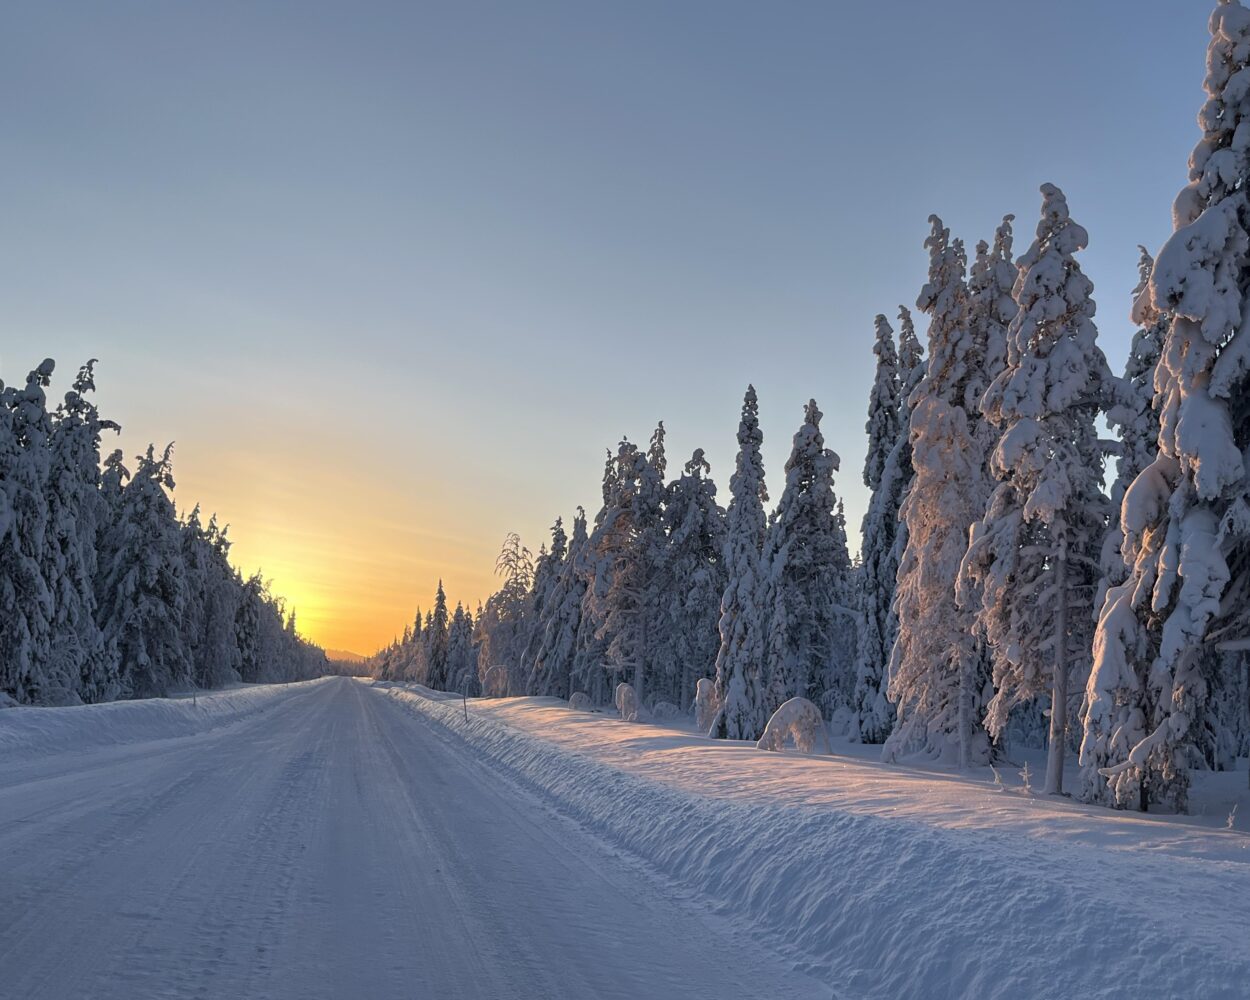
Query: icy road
(333, 845)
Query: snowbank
(943, 888)
(29, 733)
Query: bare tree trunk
(1059, 692)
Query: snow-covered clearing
(888, 881)
(319, 840)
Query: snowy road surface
(334, 846)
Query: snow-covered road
(334, 845)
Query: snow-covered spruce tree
(546, 571)
(221, 660)
(1134, 413)
(558, 626)
(196, 579)
(1135, 417)
(26, 599)
(884, 411)
(76, 509)
(808, 568)
(935, 665)
(144, 587)
(1185, 518)
(1032, 560)
(885, 415)
(461, 660)
(408, 661)
(435, 638)
(991, 309)
(743, 630)
(885, 540)
(588, 674)
(630, 550)
(692, 580)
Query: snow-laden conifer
(807, 567)
(873, 715)
(935, 665)
(743, 630)
(1185, 518)
(26, 599)
(558, 625)
(691, 582)
(885, 416)
(76, 508)
(1033, 557)
(144, 585)
(883, 404)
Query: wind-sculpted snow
(30, 733)
(963, 904)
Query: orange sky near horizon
(356, 582)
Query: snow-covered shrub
(626, 702)
(664, 710)
(580, 702)
(495, 683)
(706, 704)
(797, 719)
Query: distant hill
(345, 656)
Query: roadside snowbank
(29, 733)
(878, 897)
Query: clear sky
(393, 275)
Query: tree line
(1003, 590)
(105, 591)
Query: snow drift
(30, 733)
(885, 907)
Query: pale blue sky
(393, 275)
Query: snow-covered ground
(324, 840)
(886, 881)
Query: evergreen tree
(1134, 413)
(144, 583)
(629, 549)
(76, 508)
(546, 571)
(740, 688)
(936, 662)
(501, 623)
(1186, 517)
(883, 405)
(461, 661)
(808, 568)
(560, 619)
(1034, 554)
(435, 638)
(887, 412)
(26, 600)
(991, 310)
(692, 576)
(587, 673)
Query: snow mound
(706, 704)
(798, 720)
(580, 702)
(626, 702)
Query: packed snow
(319, 841)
